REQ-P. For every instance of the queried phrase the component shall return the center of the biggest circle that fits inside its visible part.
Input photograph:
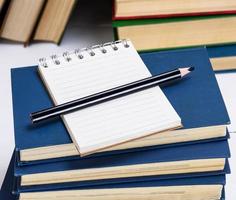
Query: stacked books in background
(188, 163)
(1, 4)
(157, 25)
(41, 20)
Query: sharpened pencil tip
(191, 69)
(185, 71)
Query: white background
(85, 29)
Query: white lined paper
(119, 120)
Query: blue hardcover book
(7, 188)
(206, 183)
(154, 164)
(223, 57)
(222, 51)
(197, 99)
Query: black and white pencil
(110, 94)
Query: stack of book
(186, 163)
(41, 20)
(157, 25)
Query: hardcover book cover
(7, 190)
(180, 162)
(206, 103)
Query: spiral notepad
(98, 68)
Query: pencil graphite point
(191, 69)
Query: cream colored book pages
(20, 19)
(125, 171)
(116, 121)
(166, 137)
(183, 192)
(54, 19)
(184, 33)
(224, 63)
(129, 8)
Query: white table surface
(84, 29)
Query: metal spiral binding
(66, 56)
(78, 52)
(42, 62)
(55, 59)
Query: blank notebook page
(116, 121)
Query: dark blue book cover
(223, 58)
(197, 99)
(222, 51)
(7, 190)
(211, 150)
